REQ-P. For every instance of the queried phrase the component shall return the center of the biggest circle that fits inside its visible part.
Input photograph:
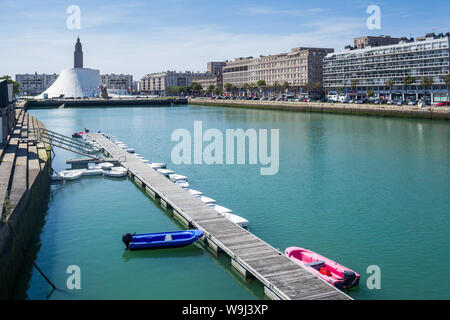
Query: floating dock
(282, 278)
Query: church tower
(78, 55)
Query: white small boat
(119, 169)
(71, 174)
(92, 172)
(106, 165)
(209, 201)
(177, 177)
(94, 166)
(123, 146)
(139, 157)
(236, 219)
(182, 183)
(156, 165)
(144, 160)
(196, 193)
(221, 209)
(129, 150)
(165, 172)
(115, 173)
(226, 213)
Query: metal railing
(55, 139)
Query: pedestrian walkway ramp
(56, 139)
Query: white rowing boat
(156, 165)
(106, 165)
(116, 172)
(177, 177)
(71, 174)
(182, 183)
(165, 172)
(92, 172)
(195, 193)
(236, 219)
(209, 201)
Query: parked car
(412, 102)
(443, 104)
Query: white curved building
(77, 82)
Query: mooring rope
(32, 260)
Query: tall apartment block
(34, 84)
(369, 69)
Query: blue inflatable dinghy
(161, 240)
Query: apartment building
(117, 81)
(34, 83)
(240, 71)
(158, 83)
(300, 67)
(371, 41)
(369, 69)
(212, 77)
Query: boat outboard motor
(350, 280)
(127, 238)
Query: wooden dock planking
(282, 278)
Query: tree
(196, 88)
(210, 89)
(15, 84)
(305, 88)
(426, 83)
(228, 86)
(245, 87)
(276, 87)
(218, 91)
(261, 85)
(285, 86)
(447, 82)
(252, 87)
(317, 87)
(408, 80)
(370, 93)
(390, 83)
(354, 85)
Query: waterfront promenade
(95, 102)
(438, 113)
(24, 181)
(282, 278)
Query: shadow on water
(188, 251)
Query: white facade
(370, 69)
(74, 83)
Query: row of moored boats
(337, 275)
(104, 168)
(182, 181)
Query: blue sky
(140, 37)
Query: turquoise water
(360, 190)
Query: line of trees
(407, 81)
(261, 88)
